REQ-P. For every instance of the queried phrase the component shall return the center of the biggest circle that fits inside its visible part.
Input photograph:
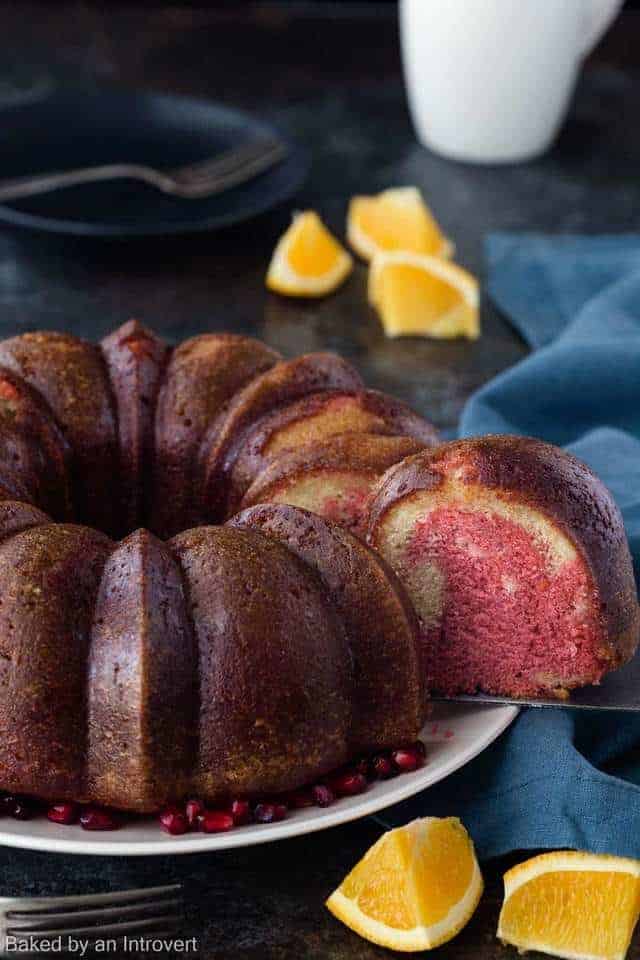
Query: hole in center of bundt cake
(516, 603)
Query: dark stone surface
(332, 79)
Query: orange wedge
(583, 906)
(396, 219)
(308, 261)
(414, 889)
(423, 296)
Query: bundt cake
(515, 558)
(224, 654)
(229, 660)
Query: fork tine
(98, 932)
(50, 904)
(230, 157)
(208, 186)
(37, 921)
(230, 160)
(259, 158)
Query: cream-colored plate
(454, 735)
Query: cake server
(619, 690)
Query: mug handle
(598, 15)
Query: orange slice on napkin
(414, 889)
(583, 906)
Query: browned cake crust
(16, 516)
(557, 485)
(70, 375)
(143, 695)
(389, 696)
(274, 683)
(49, 577)
(369, 455)
(318, 417)
(286, 382)
(203, 375)
(135, 360)
(47, 473)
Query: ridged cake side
(203, 376)
(70, 375)
(389, 692)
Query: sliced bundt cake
(515, 557)
(251, 658)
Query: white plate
(454, 735)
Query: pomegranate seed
(241, 812)
(363, 766)
(348, 784)
(280, 810)
(63, 813)
(92, 818)
(217, 821)
(7, 803)
(264, 812)
(173, 821)
(22, 809)
(323, 796)
(194, 810)
(299, 799)
(407, 759)
(382, 767)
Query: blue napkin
(560, 778)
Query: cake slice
(282, 385)
(515, 557)
(318, 417)
(333, 478)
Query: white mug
(489, 81)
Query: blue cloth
(560, 778)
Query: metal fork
(151, 912)
(202, 179)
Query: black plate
(72, 129)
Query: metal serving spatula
(619, 690)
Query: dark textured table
(333, 80)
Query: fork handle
(46, 182)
